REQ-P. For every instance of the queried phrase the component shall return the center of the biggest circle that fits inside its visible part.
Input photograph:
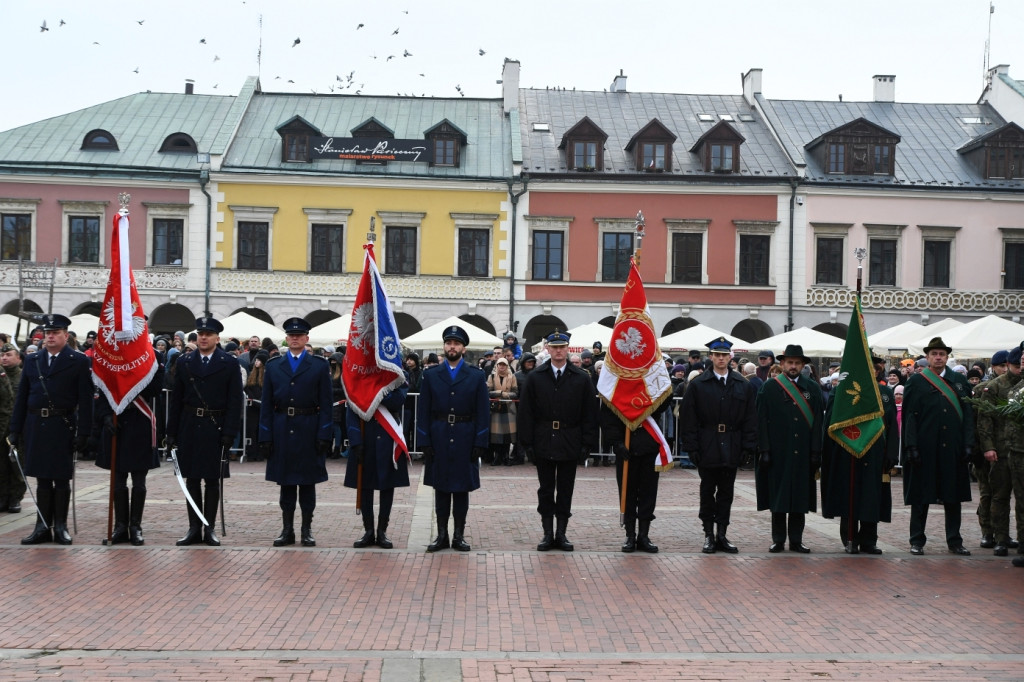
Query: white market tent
(899, 338)
(698, 337)
(430, 338)
(978, 339)
(332, 331)
(9, 323)
(242, 325)
(83, 323)
(815, 344)
(583, 337)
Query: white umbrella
(698, 336)
(978, 339)
(9, 323)
(430, 338)
(815, 343)
(583, 337)
(242, 325)
(332, 331)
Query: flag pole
(371, 237)
(851, 542)
(639, 229)
(110, 500)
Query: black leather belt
(297, 411)
(452, 418)
(720, 428)
(557, 425)
(203, 412)
(51, 412)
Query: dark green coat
(788, 485)
(872, 498)
(931, 425)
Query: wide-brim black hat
(794, 350)
(937, 344)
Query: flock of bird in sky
(341, 84)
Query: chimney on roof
(619, 84)
(885, 88)
(751, 85)
(189, 86)
(510, 84)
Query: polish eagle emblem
(631, 343)
(362, 335)
(107, 325)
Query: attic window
(725, 117)
(719, 149)
(446, 141)
(651, 147)
(542, 127)
(179, 142)
(858, 148)
(100, 140)
(707, 118)
(296, 147)
(972, 119)
(746, 118)
(584, 146)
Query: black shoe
(1000, 550)
(709, 544)
(459, 544)
(851, 548)
(368, 539)
(14, 507)
(60, 534)
(193, 537)
(38, 536)
(959, 550)
(1012, 544)
(119, 535)
(722, 543)
(441, 542)
(383, 541)
(629, 546)
(307, 538)
(917, 550)
(548, 541)
(210, 537)
(561, 542)
(800, 548)
(1018, 561)
(776, 547)
(870, 550)
(287, 537)
(135, 536)
(643, 541)
(987, 542)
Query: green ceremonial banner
(857, 409)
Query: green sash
(791, 389)
(944, 388)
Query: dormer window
(999, 154)
(584, 146)
(374, 129)
(179, 142)
(719, 148)
(652, 148)
(446, 141)
(295, 134)
(100, 140)
(857, 148)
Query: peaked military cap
(456, 333)
(719, 345)
(209, 324)
(54, 321)
(558, 338)
(296, 325)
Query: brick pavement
(247, 611)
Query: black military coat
(135, 451)
(558, 420)
(717, 423)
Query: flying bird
(390, 57)
(482, 53)
(136, 69)
(423, 75)
(215, 85)
(62, 22)
(216, 58)
(202, 41)
(395, 32)
(290, 80)
(297, 41)
(141, 21)
(406, 53)
(360, 26)
(43, 28)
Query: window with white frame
(17, 233)
(830, 253)
(254, 237)
(884, 249)
(687, 253)
(548, 242)
(937, 256)
(326, 239)
(401, 242)
(755, 255)
(166, 234)
(1013, 258)
(615, 248)
(473, 243)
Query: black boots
(307, 530)
(368, 537)
(643, 543)
(561, 542)
(710, 545)
(61, 503)
(441, 542)
(629, 546)
(43, 530)
(195, 526)
(120, 533)
(135, 517)
(383, 541)
(548, 541)
(287, 536)
(210, 512)
(458, 543)
(722, 542)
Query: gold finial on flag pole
(640, 225)
(124, 199)
(371, 236)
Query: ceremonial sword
(181, 482)
(14, 458)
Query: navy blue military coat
(65, 387)
(454, 468)
(379, 472)
(206, 405)
(296, 459)
(135, 451)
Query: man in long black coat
(718, 429)
(864, 480)
(296, 428)
(204, 417)
(53, 417)
(557, 426)
(789, 440)
(938, 436)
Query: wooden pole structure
(113, 476)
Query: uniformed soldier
(452, 424)
(204, 417)
(296, 428)
(865, 479)
(53, 417)
(135, 456)
(982, 468)
(996, 438)
(938, 433)
(718, 429)
(12, 485)
(789, 440)
(557, 427)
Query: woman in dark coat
(253, 397)
(135, 455)
(372, 447)
(337, 405)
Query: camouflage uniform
(981, 472)
(994, 434)
(1015, 439)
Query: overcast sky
(809, 49)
